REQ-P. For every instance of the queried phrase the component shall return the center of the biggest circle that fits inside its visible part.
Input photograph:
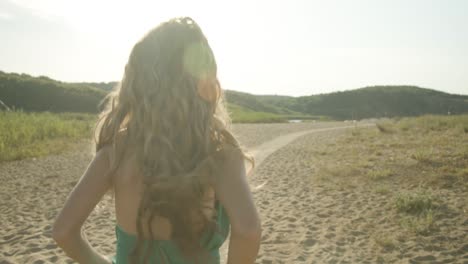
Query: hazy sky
(262, 47)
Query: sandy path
(309, 219)
(264, 150)
(33, 190)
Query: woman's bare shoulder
(233, 191)
(230, 157)
(230, 166)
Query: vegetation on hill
(106, 86)
(374, 102)
(44, 94)
(252, 102)
(368, 102)
(248, 108)
(240, 114)
(38, 94)
(21, 91)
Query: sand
(305, 220)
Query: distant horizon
(295, 48)
(273, 94)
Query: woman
(164, 148)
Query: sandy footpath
(305, 218)
(264, 150)
(33, 190)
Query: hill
(38, 94)
(22, 91)
(253, 102)
(375, 101)
(106, 86)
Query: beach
(310, 212)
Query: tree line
(22, 91)
(37, 94)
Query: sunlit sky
(262, 47)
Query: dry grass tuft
(417, 209)
(385, 241)
(385, 127)
(416, 202)
(379, 174)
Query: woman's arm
(87, 193)
(234, 193)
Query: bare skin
(230, 187)
(127, 187)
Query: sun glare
(111, 18)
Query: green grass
(244, 115)
(422, 156)
(240, 114)
(379, 174)
(383, 190)
(417, 202)
(417, 208)
(385, 127)
(421, 225)
(385, 241)
(25, 135)
(31, 134)
(426, 123)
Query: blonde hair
(178, 136)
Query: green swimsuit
(166, 251)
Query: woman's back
(164, 146)
(128, 188)
(164, 250)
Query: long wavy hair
(170, 110)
